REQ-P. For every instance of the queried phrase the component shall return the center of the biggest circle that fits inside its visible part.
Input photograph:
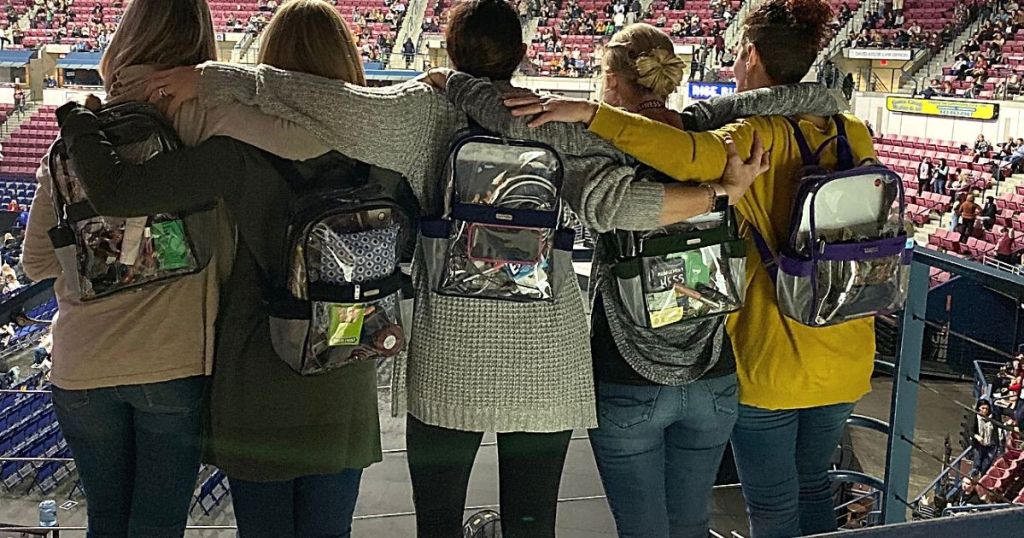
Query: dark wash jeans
(318, 506)
(137, 449)
(658, 449)
(783, 458)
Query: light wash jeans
(783, 459)
(658, 449)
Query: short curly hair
(788, 35)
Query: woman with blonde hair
(130, 370)
(641, 70)
(666, 397)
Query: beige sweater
(156, 333)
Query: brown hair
(163, 33)
(309, 36)
(788, 35)
(485, 38)
(645, 57)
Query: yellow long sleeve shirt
(781, 364)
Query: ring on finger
(162, 92)
(543, 107)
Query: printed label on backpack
(346, 325)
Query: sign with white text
(699, 91)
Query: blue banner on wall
(705, 90)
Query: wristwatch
(721, 201)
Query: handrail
(953, 466)
(972, 508)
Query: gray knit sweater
(681, 353)
(473, 364)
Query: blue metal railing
(975, 508)
(953, 469)
(903, 408)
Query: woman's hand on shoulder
(174, 87)
(739, 175)
(547, 109)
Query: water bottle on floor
(48, 513)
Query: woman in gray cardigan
(520, 370)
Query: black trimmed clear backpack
(103, 256)
(337, 302)
(502, 232)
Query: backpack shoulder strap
(845, 153)
(809, 157)
(843, 149)
(767, 257)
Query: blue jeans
(983, 456)
(318, 506)
(137, 449)
(783, 459)
(658, 449)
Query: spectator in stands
(925, 173)
(982, 147)
(957, 184)
(409, 52)
(1015, 159)
(10, 280)
(1005, 246)
(969, 211)
(940, 175)
(41, 354)
(954, 222)
(984, 437)
(785, 479)
(988, 214)
(967, 494)
(7, 332)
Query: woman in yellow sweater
(798, 384)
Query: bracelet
(712, 194)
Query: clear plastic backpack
(689, 271)
(847, 253)
(102, 256)
(501, 235)
(339, 302)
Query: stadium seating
(548, 60)
(27, 145)
(998, 74)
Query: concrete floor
(385, 505)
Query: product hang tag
(171, 245)
(131, 242)
(346, 324)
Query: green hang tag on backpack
(346, 324)
(170, 245)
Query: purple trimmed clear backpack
(847, 253)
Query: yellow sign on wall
(974, 110)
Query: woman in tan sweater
(130, 370)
